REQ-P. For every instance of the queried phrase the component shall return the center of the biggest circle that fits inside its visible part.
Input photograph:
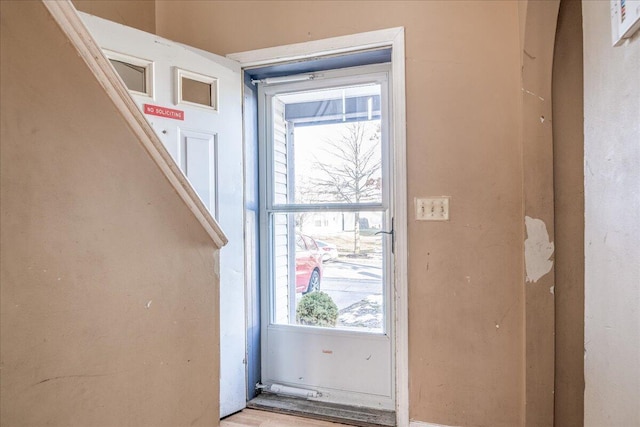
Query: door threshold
(333, 412)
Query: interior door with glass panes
(193, 101)
(327, 236)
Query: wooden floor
(255, 418)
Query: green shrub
(317, 309)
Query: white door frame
(393, 38)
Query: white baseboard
(423, 424)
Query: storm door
(327, 236)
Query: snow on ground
(366, 313)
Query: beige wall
(612, 226)
(463, 110)
(475, 134)
(537, 160)
(109, 295)
(138, 14)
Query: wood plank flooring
(256, 418)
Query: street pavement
(348, 282)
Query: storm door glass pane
(327, 143)
(328, 270)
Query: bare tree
(304, 194)
(350, 169)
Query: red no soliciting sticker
(155, 110)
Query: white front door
(327, 239)
(192, 99)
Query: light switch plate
(432, 208)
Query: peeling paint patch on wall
(537, 249)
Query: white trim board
(423, 424)
(324, 47)
(394, 38)
(67, 18)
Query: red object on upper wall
(169, 113)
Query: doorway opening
(321, 214)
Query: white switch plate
(432, 208)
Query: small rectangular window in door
(134, 76)
(136, 73)
(196, 89)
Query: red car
(308, 264)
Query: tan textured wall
(612, 226)
(537, 160)
(568, 152)
(463, 110)
(109, 295)
(140, 14)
